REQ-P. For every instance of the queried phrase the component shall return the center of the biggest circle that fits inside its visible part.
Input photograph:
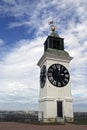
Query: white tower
(55, 98)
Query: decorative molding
(67, 99)
(54, 57)
(46, 99)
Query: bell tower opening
(54, 43)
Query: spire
(53, 28)
(53, 33)
(54, 41)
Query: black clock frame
(43, 76)
(58, 75)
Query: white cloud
(19, 72)
(2, 42)
(9, 1)
(37, 14)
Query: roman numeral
(51, 79)
(66, 80)
(59, 84)
(58, 66)
(54, 66)
(65, 71)
(54, 82)
(66, 75)
(50, 70)
(63, 83)
(49, 74)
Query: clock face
(43, 76)
(58, 75)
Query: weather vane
(52, 25)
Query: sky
(23, 30)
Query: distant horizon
(30, 111)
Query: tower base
(57, 120)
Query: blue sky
(23, 30)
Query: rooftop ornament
(53, 33)
(53, 28)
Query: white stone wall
(49, 95)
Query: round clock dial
(43, 76)
(58, 75)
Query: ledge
(46, 99)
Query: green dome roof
(54, 34)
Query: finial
(53, 28)
(52, 25)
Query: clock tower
(55, 98)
